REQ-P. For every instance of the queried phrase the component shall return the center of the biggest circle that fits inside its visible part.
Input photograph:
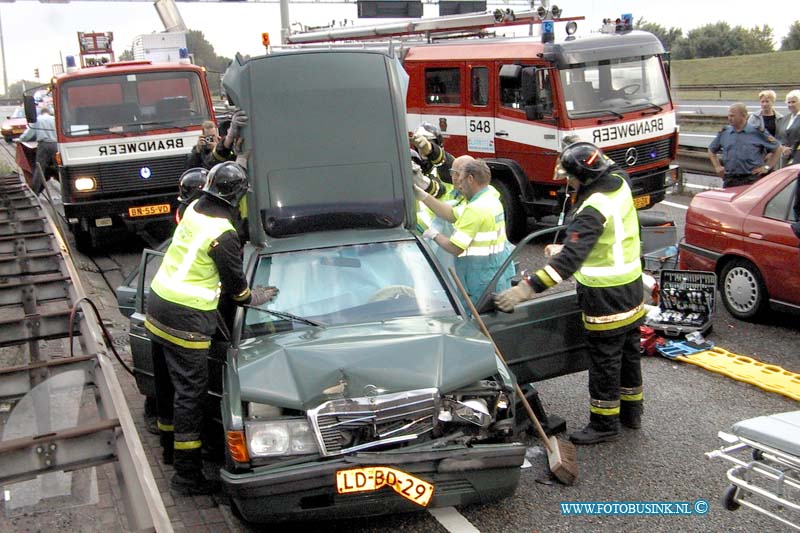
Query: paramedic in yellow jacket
(478, 241)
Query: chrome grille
(123, 176)
(649, 152)
(353, 424)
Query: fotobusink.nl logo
(698, 507)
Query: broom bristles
(562, 457)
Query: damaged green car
(364, 388)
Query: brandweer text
(623, 131)
(142, 146)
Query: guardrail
(720, 87)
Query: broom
(562, 457)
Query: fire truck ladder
(62, 409)
(439, 27)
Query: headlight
(280, 437)
(84, 184)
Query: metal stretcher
(770, 482)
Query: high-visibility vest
(188, 275)
(615, 258)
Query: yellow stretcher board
(742, 368)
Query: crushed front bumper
(307, 491)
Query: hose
(106, 334)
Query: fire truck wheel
(84, 241)
(516, 221)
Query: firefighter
(436, 161)
(203, 261)
(190, 188)
(602, 251)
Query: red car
(744, 235)
(14, 124)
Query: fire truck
(512, 101)
(124, 131)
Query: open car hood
(300, 369)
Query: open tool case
(686, 302)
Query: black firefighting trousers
(181, 379)
(615, 377)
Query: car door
(132, 299)
(544, 337)
(770, 241)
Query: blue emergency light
(548, 31)
(71, 62)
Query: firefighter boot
(630, 414)
(600, 428)
(188, 479)
(167, 446)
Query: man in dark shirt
(744, 148)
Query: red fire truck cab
(124, 131)
(512, 102)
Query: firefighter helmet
(228, 182)
(431, 132)
(584, 161)
(191, 183)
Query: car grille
(124, 176)
(353, 424)
(650, 152)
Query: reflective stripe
(553, 274)
(605, 412)
(615, 317)
(616, 269)
(614, 325)
(604, 403)
(187, 444)
(545, 278)
(165, 427)
(638, 397)
(631, 390)
(192, 345)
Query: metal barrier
(39, 286)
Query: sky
(38, 35)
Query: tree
(15, 89)
(668, 37)
(127, 55)
(792, 39)
(204, 55)
(720, 40)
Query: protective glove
(419, 193)
(238, 121)
(508, 299)
(260, 295)
(422, 143)
(430, 233)
(420, 180)
(553, 249)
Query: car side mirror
(30, 108)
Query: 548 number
(483, 126)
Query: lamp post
(3, 55)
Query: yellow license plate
(373, 478)
(641, 201)
(149, 210)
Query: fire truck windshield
(613, 87)
(131, 102)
